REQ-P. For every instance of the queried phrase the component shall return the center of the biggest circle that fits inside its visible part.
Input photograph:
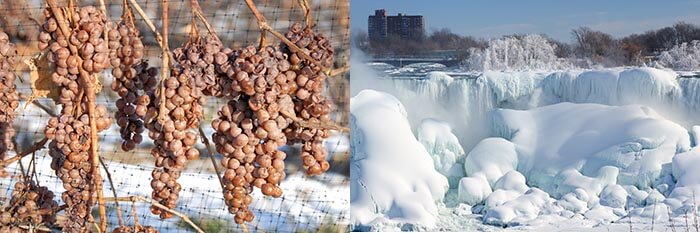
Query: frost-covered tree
(529, 52)
(685, 56)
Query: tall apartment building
(381, 27)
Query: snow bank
(554, 139)
(393, 179)
(443, 146)
(491, 159)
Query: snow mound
(443, 146)
(393, 180)
(473, 190)
(491, 159)
(555, 139)
(569, 180)
(512, 180)
(518, 210)
(687, 176)
(576, 163)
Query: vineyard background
(309, 203)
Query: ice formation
(588, 137)
(443, 146)
(575, 157)
(465, 103)
(393, 179)
(520, 209)
(594, 145)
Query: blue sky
(487, 19)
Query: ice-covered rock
(500, 196)
(512, 180)
(565, 136)
(686, 172)
(519, 210)
(613, 196)
(657, 212)
(654, 197)
(569, 180)
(576, 201)
(491, 159)
(393, 179)
(473, 190)
(635, 196)
(443, 147)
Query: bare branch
(205, 140)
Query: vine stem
(205, 140)
(197, 11)
(339, 71)
(158, 205)
(164, 69)
(103, 7)
(149, 23)
(262, 23)
(89, 88)
(304, 4)
(37, 146)
(114, 192)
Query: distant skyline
(489, 19)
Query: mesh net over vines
(307, 204)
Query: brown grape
(70, 132)
(9, 97)
(30, 203)
(132, 80)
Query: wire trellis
(309, 204)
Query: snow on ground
(305, 205)
(393, 179)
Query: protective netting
(309, 204)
